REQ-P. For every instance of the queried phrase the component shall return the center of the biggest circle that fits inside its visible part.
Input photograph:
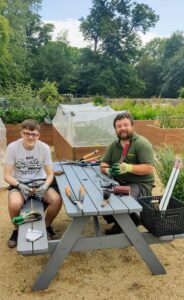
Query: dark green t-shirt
(140, 151)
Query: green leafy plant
(48, 92)
(181, 92)
(17, 115)
(140, 111)
(20, 94)
(99, 100)
(165, 159)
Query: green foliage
(48, 92)
(17, 115)
(24, 104)
(20, 94)
(4, 34)
(172, 116)
(181, 92)
(126, 104)
(140, 111)
(99, 100)
(57, 63)
(116, 66)
(112, 26)
(165, 158)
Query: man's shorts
(53, 185)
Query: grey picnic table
(90, 178)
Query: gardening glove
(118, 168)
(41, 191)
(109, 172)
(25, 190)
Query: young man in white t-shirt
(28, 159)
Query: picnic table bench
(39, 246)
(72, 240)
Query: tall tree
(56, 61)
(173, 75)
(173, 44)
(26, 34)
(113, 26)
(150, 66)
(107, 76)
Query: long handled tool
(81, 194)
(116, 190)
(80, 163)
(72, 198)
(124, 152)
(170, 185)
(92, 158)
(120, 190)
(106, 196)
(88, 155)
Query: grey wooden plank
(71, 209)
(92, 191)
(131, 203)
(114, 201)
(101, 175)
(76, 178)
(40, 246)
(106, 242)
(23, 247)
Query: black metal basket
(161, 223)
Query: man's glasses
(30, 134)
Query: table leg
(96, 225)
(140, 244)
(63, 248)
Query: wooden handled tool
(121, 190)
(58, 173)
(72, 197)
(81, 194)
(92, 158)
(106, 196)
(89, 154)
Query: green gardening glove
(109, 172)
(122, 168)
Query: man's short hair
(30, 125)
(123, 115)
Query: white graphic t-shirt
(28, 164)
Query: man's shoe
(115, 229)
(50, 233)
(13, 239)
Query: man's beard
(125, 135)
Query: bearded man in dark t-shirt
(130, 161)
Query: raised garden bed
(64, 150)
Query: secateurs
(28, 216)
(72, 198)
